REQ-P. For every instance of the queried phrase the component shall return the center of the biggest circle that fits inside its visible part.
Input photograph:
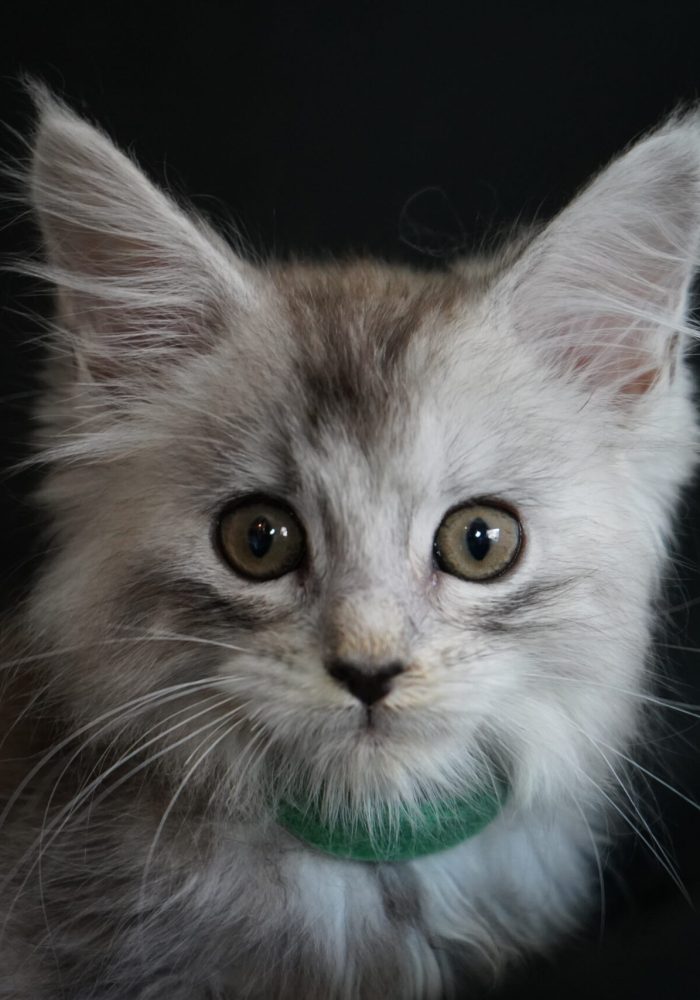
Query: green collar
(437, 827)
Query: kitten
(325, 685)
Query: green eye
(478, 541)
(261, 539)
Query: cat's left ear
(604, 288)
(139, 281)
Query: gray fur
(158, 706)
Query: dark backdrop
(411, 130)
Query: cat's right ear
(138, 280)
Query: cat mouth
(370, 719)
(375, 722)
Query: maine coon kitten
(347, 539)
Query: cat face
(270, 485)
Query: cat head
(352, 528)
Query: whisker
(228, 729)
(599, 866)
(683, 708)
(87, 791)
(37, 657)
(652, 846)
(198, 640)
(178, 690)
(137, 747)
(651, 842)
(58, 822)
(650, 774)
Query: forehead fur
(364, 331)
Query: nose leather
(367, 684)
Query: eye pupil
(477, 539)
(260, 537)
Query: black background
(413, 131)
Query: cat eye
(478, 541)
(261, 539)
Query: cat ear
(138, 280)
(604, 288)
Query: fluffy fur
(157, 705)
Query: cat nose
(368, 684)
